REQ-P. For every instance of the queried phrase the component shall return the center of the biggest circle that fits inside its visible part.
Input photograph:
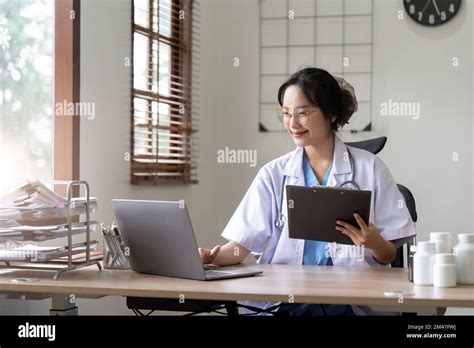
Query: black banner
(130, 330)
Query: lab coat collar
(294, 166)
(341, 163)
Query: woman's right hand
(207, 255)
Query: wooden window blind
(163, 114)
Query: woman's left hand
(365, 235)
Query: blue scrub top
(315, 251)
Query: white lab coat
(252, 224)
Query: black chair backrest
(374, 145)
(409, 201)
(411, 206)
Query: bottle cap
(466, 237)
(426, 246)
(438, 236)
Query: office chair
(375, 146)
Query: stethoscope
(280, 220)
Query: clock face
(432, 12)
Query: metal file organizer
(73, 208)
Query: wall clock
(432, 12)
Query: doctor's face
(305, 122)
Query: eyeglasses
(301, 114)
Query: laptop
(161, 241)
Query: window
(26, 91)
(162, 131)
(33, 143)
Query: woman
(314, 105)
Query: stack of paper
(32, 194)
(34, 201)
(12, 230)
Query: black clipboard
(313, 211)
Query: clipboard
(313, 211)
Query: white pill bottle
(423, 262)
(444, 271)
(464, 253)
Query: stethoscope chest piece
(280, 222)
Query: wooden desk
(303, 284)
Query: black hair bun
(348, 106)
(348, 101)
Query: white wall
(411, 63)
(414, 63)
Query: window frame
(180, 75)
(66, 130)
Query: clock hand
(426, 5)
(436, 7)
